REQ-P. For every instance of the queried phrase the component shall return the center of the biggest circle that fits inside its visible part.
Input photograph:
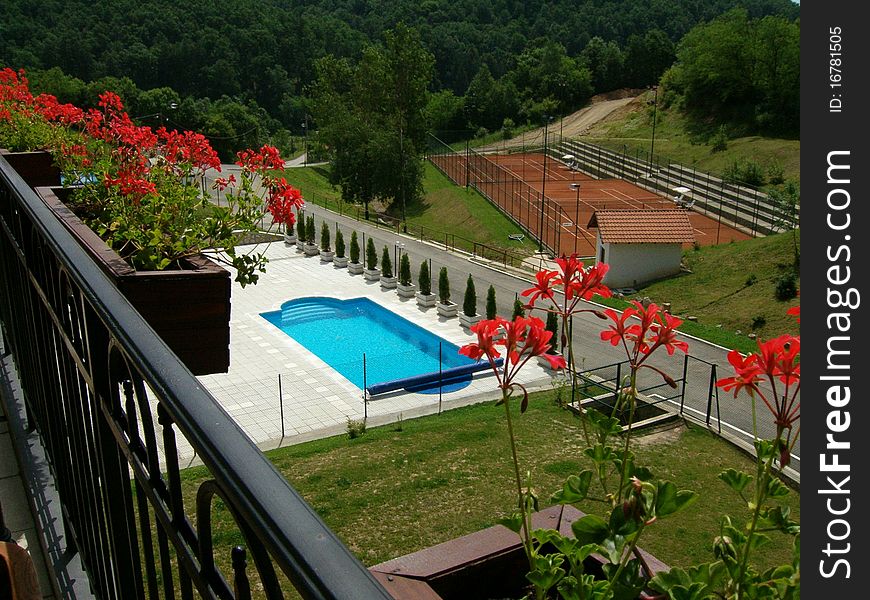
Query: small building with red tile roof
(640, 245)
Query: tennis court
(557, 208)
(576, 196)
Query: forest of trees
(744, 71)
(373, 76)
(517, 57)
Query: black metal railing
(113, 406)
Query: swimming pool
(339, 332)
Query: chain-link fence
(537, 214)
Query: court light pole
(543, 187)
(653, 143)
(305, 141)
(576, 187)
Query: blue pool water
(340, 331)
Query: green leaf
(695, 591)
(547, 571)
(778, 517)
(575, 489)
(514, 522)
(590, 529)
(600, 453)
(613, 547)
(669, 500)
(736, 480)
(642, 473)
(776, 488)
(706, 575)
(765, 449)
(622, 523)
(603, 425)
(630, 581)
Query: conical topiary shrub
(425, 279)
(354, 248)
(469, 314)
(371, 255)
(310, 230)
(445, 307)
(519, 309)
(469, 303)
(354, 267)
(405, 288)
(300, 230)
(443, 286)
(405, 270)
(491, 309)
(339, 244)
(388, 282)
(325, 238)
(553, 326)
(425, 297)
(386, 263)
(310, 247)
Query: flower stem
(632, 401)
(526, 530)
(764, 474)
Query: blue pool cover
(398, 353)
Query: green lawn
(398, 489)
(632, 128)
(445, 207)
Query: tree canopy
(742, 70)
(372, 116)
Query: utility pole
(305, 141)
(653, 144)
(576, 187)
(543, 187)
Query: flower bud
(723, 548)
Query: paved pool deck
(318, 400)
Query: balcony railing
(93, 375)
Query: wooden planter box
(189, 307)
(486, 564)
(36, 168)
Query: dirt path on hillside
(573, 125)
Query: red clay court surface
(561, 232)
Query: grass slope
(398, 489)
(719, 293)
(631, 126)
(445, 208)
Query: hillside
(675, 141)
(731, 288)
